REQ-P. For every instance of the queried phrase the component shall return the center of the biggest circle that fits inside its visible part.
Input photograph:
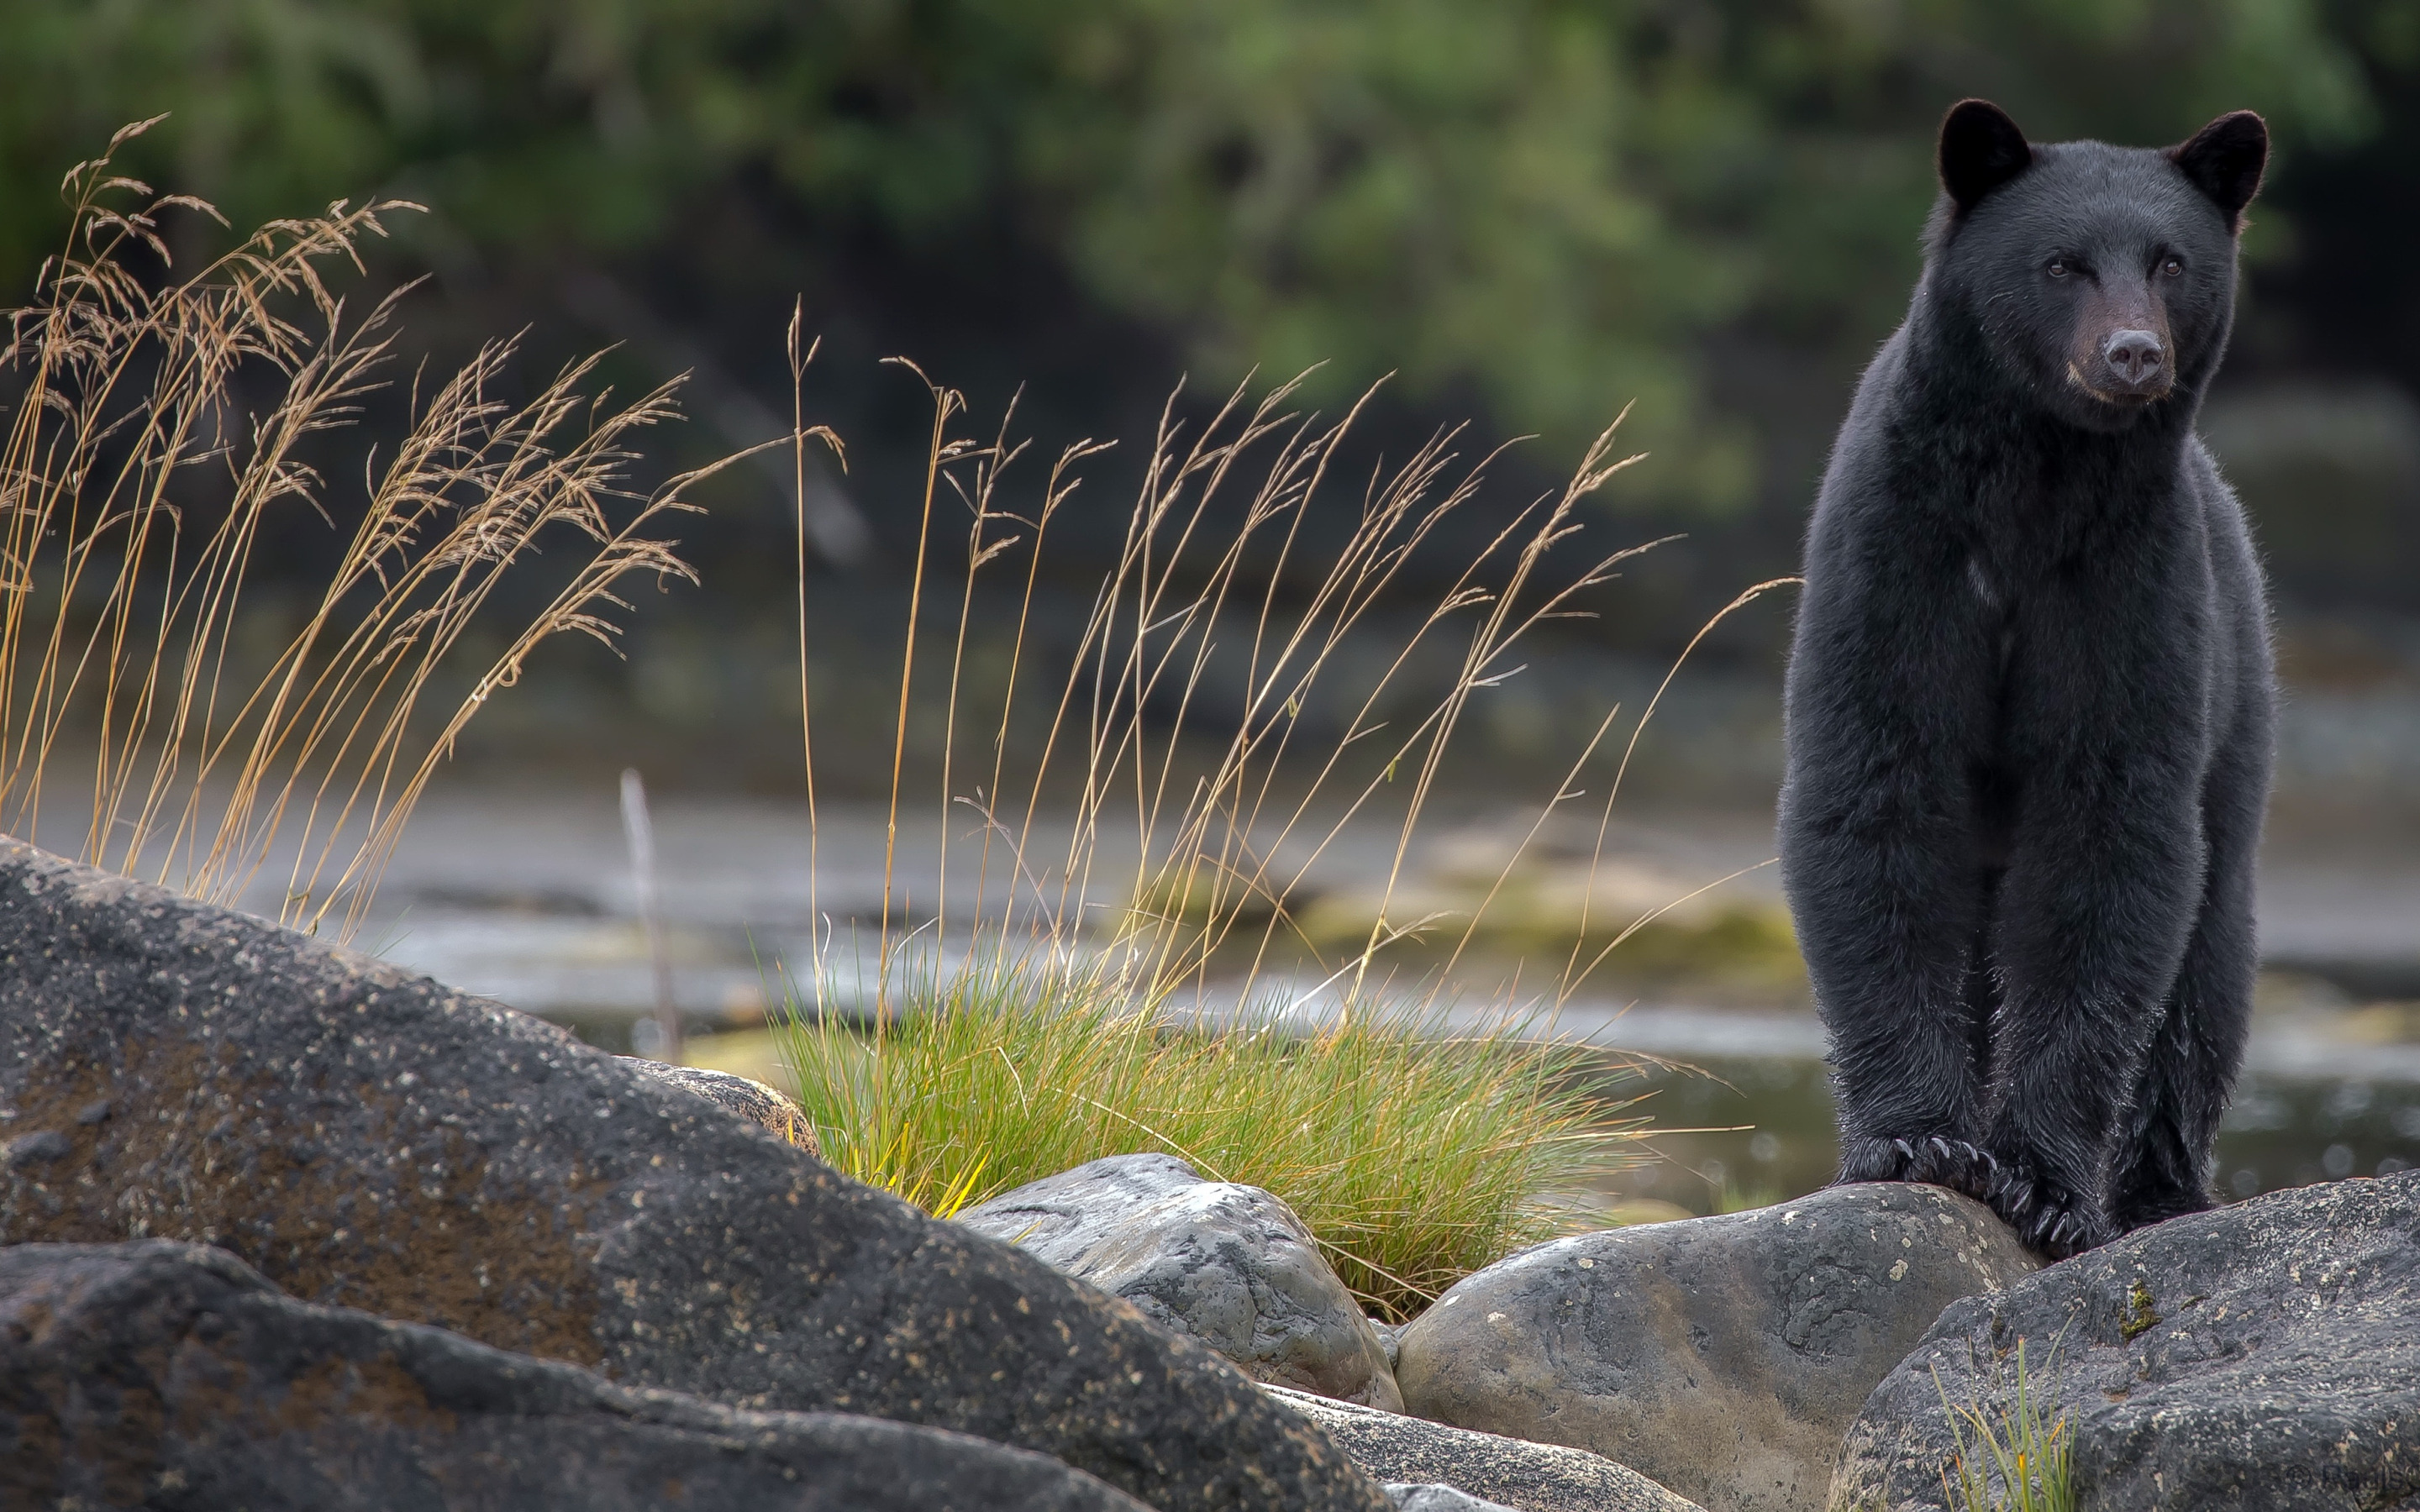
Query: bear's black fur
(2029, 698)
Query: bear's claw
(1934, 1160)
(2050, 1220)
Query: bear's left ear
(2225, 160)
(1981, 149)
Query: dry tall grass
(1224, 831)
(161, 425)
(1132, 884)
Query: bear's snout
(2122, 355)
(2137, 363)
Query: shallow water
(523, 892)
(1769, 1136)
(524, 895)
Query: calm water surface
(1770, 1133)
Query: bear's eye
(2172, 266)
(2057, 267)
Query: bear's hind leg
(2161, 1167)
(2163, 1159)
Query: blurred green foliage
(1554, 204)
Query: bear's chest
(2090, 528)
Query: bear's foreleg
(1890, 699)
(1886, 910)
(2095, 918)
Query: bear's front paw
(1958, 1166)
(2051, 1218)
(1936, 1159)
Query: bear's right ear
(1980, 151)
(2224, 160)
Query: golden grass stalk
(1125, 972)
(1213, 834)
(161, 428)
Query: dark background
(1531, 213)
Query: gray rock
(1231, 1265)
(2262, 1356)
(1530, 1478)
(1390, 1339)
(370, 1139)
(1438, 1499)
(1723, 1356)
(173, 1376)
(751, 1100)
(41, 1146)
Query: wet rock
(173, 1376)
(370, 1139)
(1231, 1265)
(750, 1099)
(1723, 1357)
(1530, 1478)
(2262, 1356)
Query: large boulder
(1724, 1356)
(1231, 1265)
(1530, 1478)
(2262, 1356)
(173, 1376)
(368, 1140)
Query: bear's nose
(2135, 358)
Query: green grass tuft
(2019, 1460)
(1132, 824)
(1414, 1155)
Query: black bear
(2029, 696)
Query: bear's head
(2101, 279)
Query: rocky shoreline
(282, 1225)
